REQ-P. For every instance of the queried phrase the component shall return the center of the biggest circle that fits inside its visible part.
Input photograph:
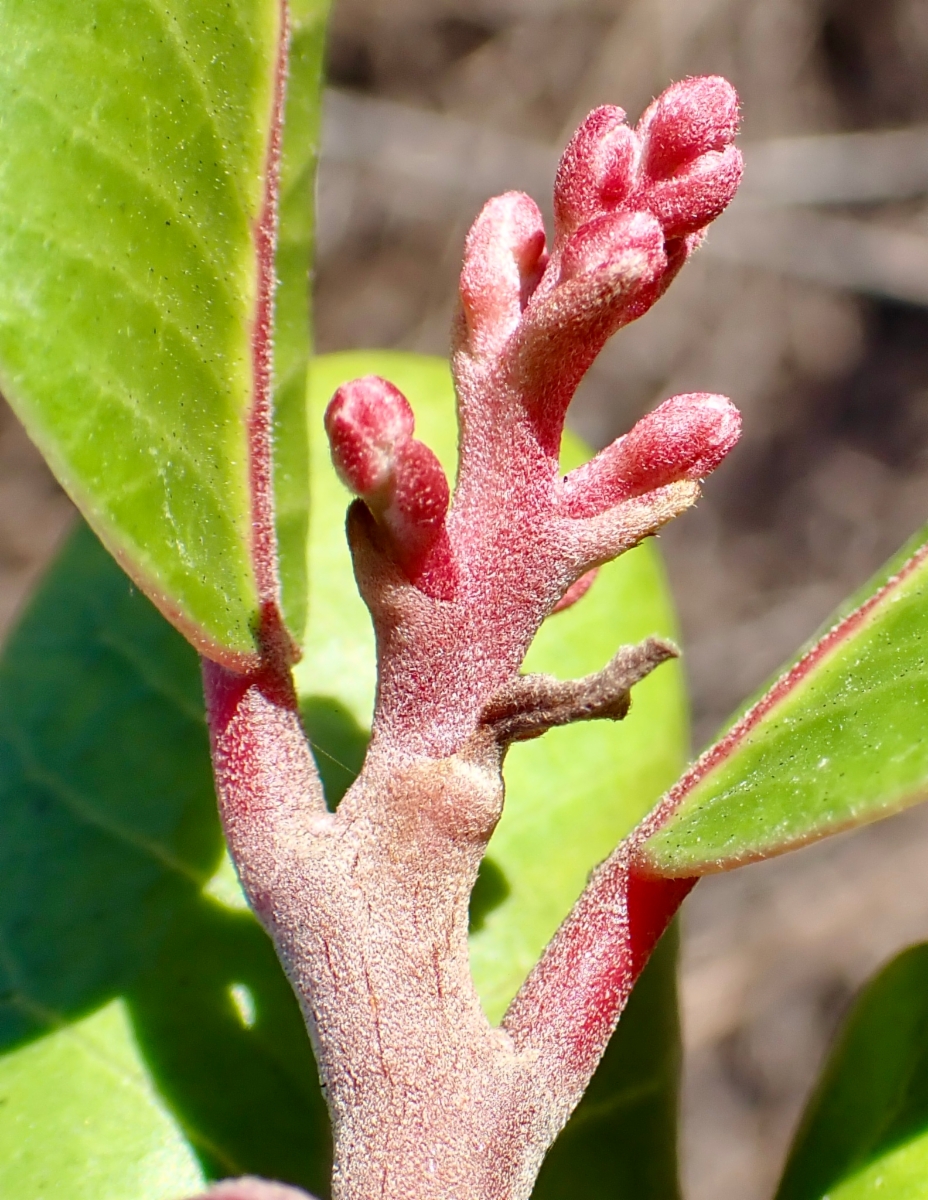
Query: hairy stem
(368, 906)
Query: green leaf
(570, 796)
(81, 1120)
(129, 192)
(836, 742)
(148, 1037)
(865, 1132)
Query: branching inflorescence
(368, 905)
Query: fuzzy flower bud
(504, 258)
(690, 168)
(370, 425)
(630, 207)
(689, 119)
(597, 171)
(420, 494)
(629, 246)
(687, 202)
(366, 420)
(606, 269)
(685, 438)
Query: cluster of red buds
(630, 206)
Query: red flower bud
(597, 170)
(690, 118)
(686, 437)
(504, 258)
(370, 426)
(690, 170)
(421, 493)
(627, 244)
(366, 420)
(688, 201)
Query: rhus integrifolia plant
(368, 906)
(154, 339)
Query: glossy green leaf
(865, 1133)
(81, 1121)
(570, 796)
(148, 1037)
(129, 190)
(838, 741)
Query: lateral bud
(366, 421)
(370, 425)
(685, 438)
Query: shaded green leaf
(128, 278)
(128, 996)
(865, 1132)
(837, 741)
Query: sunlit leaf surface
(132, 171)
(838, 741)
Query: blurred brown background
(808, 306)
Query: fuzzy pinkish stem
(260, 418)
(569, 1006)
(368, 906)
